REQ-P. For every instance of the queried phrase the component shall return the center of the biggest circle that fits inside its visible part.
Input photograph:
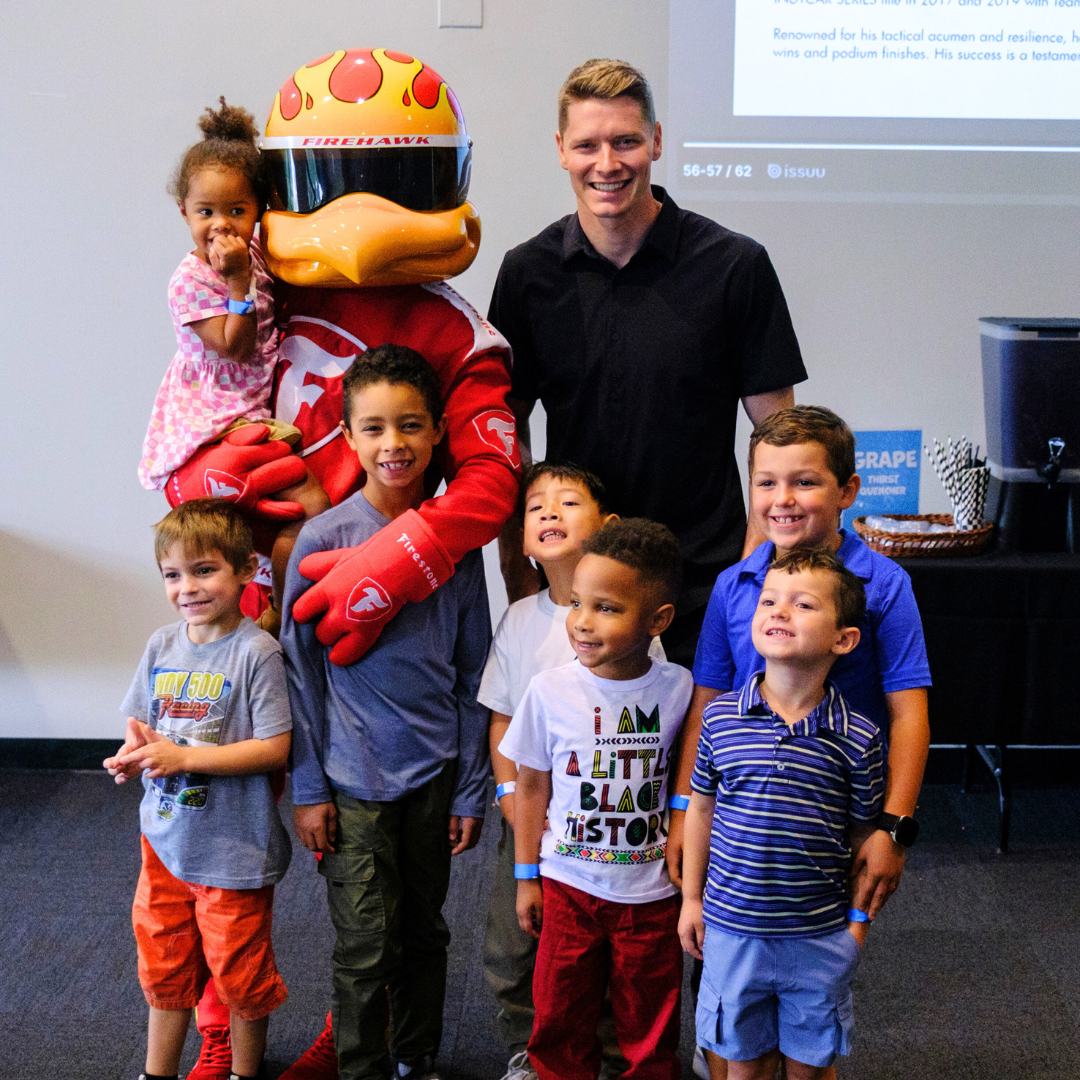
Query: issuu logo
(367, 601)
(793, 172)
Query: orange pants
(185, 933)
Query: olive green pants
(386, 885)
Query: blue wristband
(526, 871)
(678, 802)
(505, 789)
(855, 915)
(240, 307)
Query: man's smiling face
(608, 149)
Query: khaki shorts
(278, 430)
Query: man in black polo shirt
(640, 326)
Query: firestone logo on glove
(223, 485)
(497, 429)
(367, 601)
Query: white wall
(98, 101)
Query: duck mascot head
(370, 163)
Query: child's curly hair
(229, 136)
(647, 546)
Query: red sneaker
(320, 1061)
(215, 1056)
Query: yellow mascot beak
(364, 240)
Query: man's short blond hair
(606, 80)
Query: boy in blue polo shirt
(802, 475)
(787, 781)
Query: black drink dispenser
(1031, 395)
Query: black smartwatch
(904, 830)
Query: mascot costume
(370, 164)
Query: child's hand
(316, 826)
(692, 928)
(157, 757)
(229, 256)
(464, 833)
(133, 739)
(530, 906)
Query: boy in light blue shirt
(390, 756)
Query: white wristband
(505, 789)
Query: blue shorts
(758, 994)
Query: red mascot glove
(359, 590)
(244, 468)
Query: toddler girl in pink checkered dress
(222, 306)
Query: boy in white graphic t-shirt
(562, 505)
(592, 741)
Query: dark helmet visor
(417, 177)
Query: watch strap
(904, 830)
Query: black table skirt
(1003, 640)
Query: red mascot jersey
(323, 332)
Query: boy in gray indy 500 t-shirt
(208, 722)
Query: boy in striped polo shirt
(788, 782)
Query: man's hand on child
(157, 756)
(316, 826)
(692, 928)
(530, 906)
(464, 833)
(876, 871)
(133, 739)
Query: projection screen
(892, 100)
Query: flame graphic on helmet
(363, 239)
(365, 92)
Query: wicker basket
(924, 545)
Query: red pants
(585, 944)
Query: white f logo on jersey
(496, 427)
(505, 432)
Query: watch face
(906, 831)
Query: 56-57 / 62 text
(721, 171)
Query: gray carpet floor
(971, 973)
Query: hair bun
(230, 123)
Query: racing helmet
(369, 162)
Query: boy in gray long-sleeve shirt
(390, 754)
